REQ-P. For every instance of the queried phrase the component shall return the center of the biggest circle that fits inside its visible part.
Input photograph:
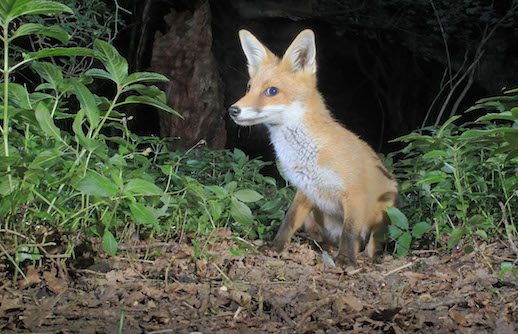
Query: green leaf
(148, 101)
(474, 134)
(144, 77)
(90, 144)
(435, 154)
(446, 124)
(150, 91)
(482, 234)
(19, 96)
(220, 192)
(476, 220)
(87, 102)
(114, 63)
(419, 229)
(398, 218)
(247, 195)
(142, 187)
(60, 51)
(432, 177)
(394, 232)
(45, 121)
(506, 116)
(54, 31)
(97, 185)
(272, 205)
(455, 237)
(505, 268)
(109, 243)
(11, 9)
(44, 159)
(5, 188)
(403, 244)
(49, 72)
(143, 215)
(240, 212)
(216, 209)
(98, 73)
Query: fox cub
(343, 189)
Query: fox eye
(247, 87)
(271, 91)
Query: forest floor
(170, 290)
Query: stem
(5, 131)
(105, 117)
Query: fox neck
(293, 140)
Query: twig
(508, 228)
(393, 271)
(15, 264)
(239, 309)
(62, 269)
(443, 34)
(161, 331)
(282, 314)
(425, 251)
(448, 302)
(147, 246)
(312, 310)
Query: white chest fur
(297, 153)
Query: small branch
(312, 310)
(173, 245)
(445, 41)
(393, 271)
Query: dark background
(382, 65)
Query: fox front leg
(293, 220)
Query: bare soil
(170, 290)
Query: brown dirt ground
(171, 291)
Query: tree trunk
(184, 55)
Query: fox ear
(301, 54)
(255, 52)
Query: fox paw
(344, 261)
(278, 246)
(271, 247)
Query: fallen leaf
(115, 277)
(354, 303)
(425, 297)
(32, 277)
(54, 284)
(458, 317)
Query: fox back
(343, 188)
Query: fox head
(278, 88)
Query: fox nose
(234, 111)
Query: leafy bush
(455, 179)
(91, 175)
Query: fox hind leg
(350, 240)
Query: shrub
(70, 166)
(458, 179)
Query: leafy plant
(401, 232)
(456, 178)
(70, 166)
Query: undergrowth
(71, 168)
(459, 183)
